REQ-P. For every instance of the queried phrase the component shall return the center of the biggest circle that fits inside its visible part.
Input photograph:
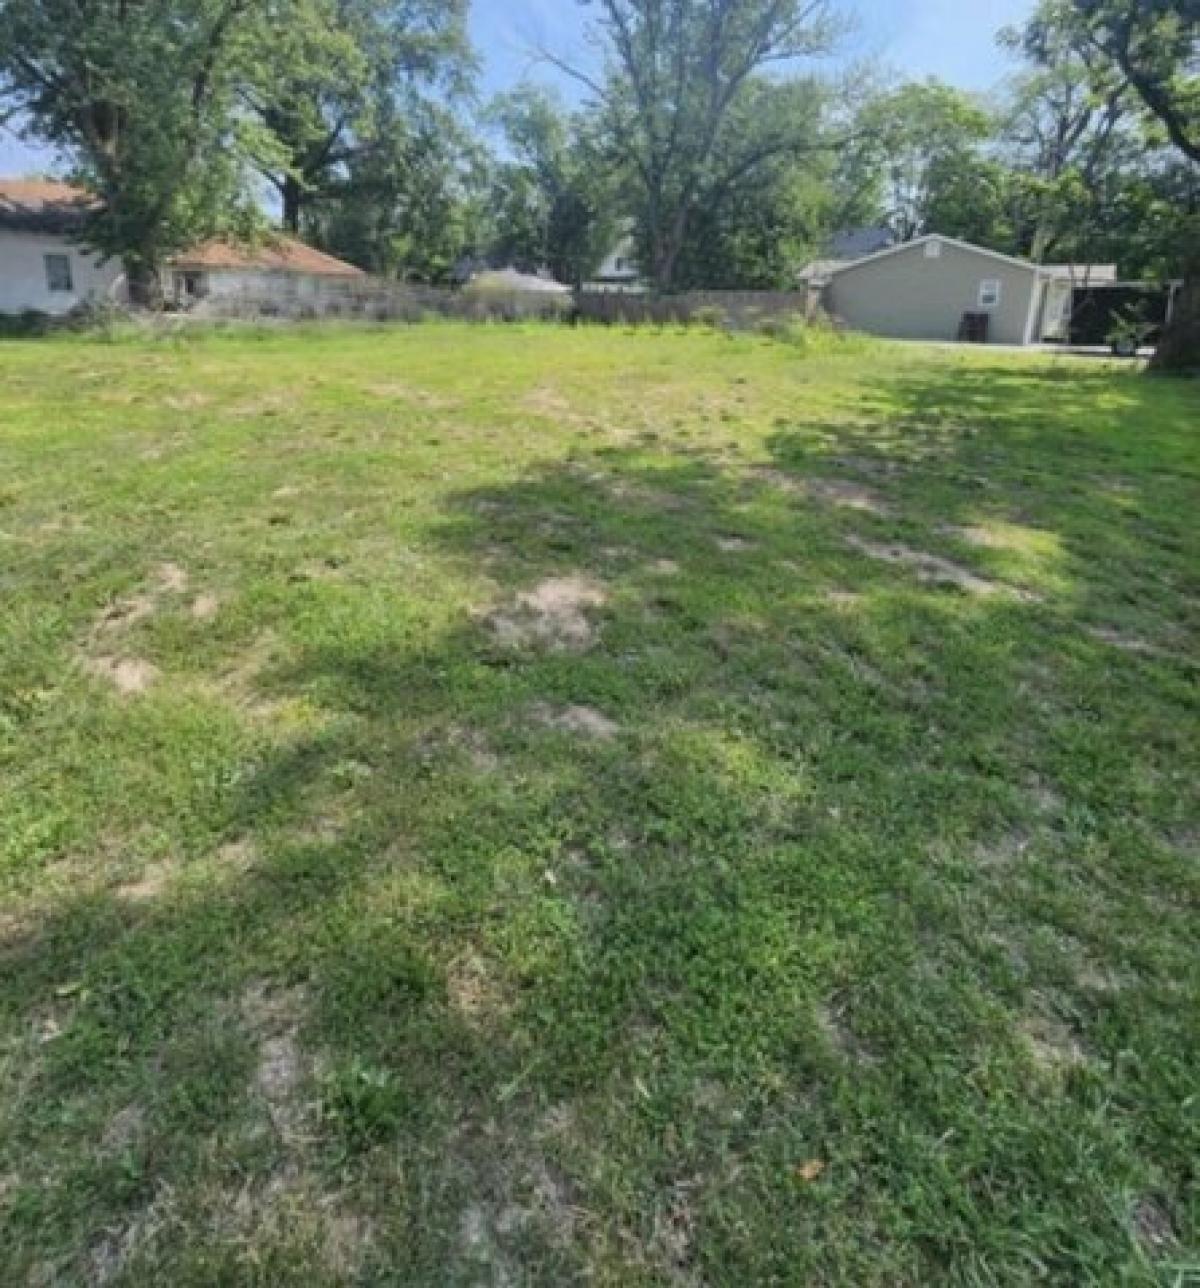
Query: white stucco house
(44, 267)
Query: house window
(189, 287)
(58, 273)
(620, 265)
(933, 250)
(989, 293)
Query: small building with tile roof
(45, 267)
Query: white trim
(946, 241)
(1037, 306)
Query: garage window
(58, 273)
(989, 293)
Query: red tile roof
(277, 254)
(50, 206)
(46, 205)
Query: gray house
(938, 288)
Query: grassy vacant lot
(487, 806)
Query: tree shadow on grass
(580, 996)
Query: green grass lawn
(534, 807)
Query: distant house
(855, 243)
(45, 268)
(276, 270)
(939, 288)
(512, 281)
(619, 270)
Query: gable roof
(277, 254)
(1093, 273)
(947, 241)
(61, 209)
(44, 206)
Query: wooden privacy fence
(737, 309)
(379, 300)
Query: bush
(815, 336)
(709, 315)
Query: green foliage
(924, 138)
(554, 204)
(342, 82)
(677, 74)
(816, 337)
(142, 98)
(363, 1105)
(411, 205)
(756, 231)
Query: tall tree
(674, 72)
(411, 205)
(921, 135)
(343, 76)
(758, 231)
(1156, 45)
(555, 196)
(141, 97)
(1069, 129)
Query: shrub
(709, 315)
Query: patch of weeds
(363, 1105)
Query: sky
(950, 39)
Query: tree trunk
(293, 202)
(1179, 348)
(143, 283)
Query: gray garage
(938, 288)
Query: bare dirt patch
(586, 721)
(833, 1019)
(472, 990)
(148, 887)
(123, 1129)
(549, 402)
(272, 1018)
(267, 405)
(1152, 1226)
(458, 739)
(395, 391)
(734, 545)
(674, 1237)
(171, 578)
(932, 569)
(778, 479)
(1003, 851)
(205, 607)
(1052, 1044)
(168, 579)
(1124, 641)
(983, 538)
(127, 612)
(554, 615)
(848, 495)
(187, 402)
(129, 675)
(665, 567)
